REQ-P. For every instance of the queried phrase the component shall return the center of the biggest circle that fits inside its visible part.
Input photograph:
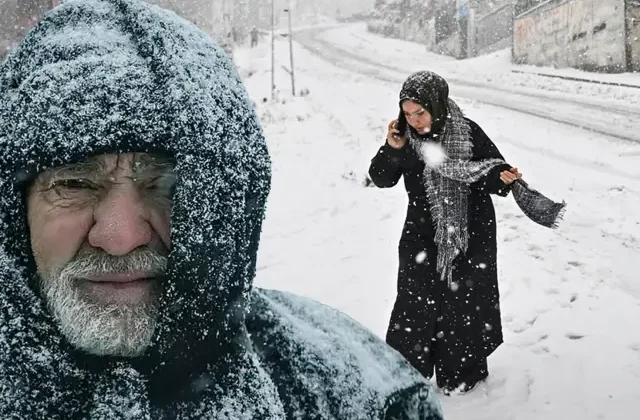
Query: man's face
(100, 234)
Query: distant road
(619, 122)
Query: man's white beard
(103, 329)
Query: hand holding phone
(394, 139)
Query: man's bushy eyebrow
(143, 164)
(152, 163)
(91, 166)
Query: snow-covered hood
(117, 76)
(100, 77)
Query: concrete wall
(450, 22)
(585, 34)
(489, 29)
(633, 40)
(430, 34)
(493, 30)
(423, 32)
(450, 46)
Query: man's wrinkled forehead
(138, 164)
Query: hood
(119, 76)
(432, 92)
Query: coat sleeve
(484, 148)
(385, 169)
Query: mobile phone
(402, 124)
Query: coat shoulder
(323, 361)
(476, 130)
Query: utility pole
(291, 71)
(224, 18)
(213, 20)
(273, 46)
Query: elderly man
(133, 181)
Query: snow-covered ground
(570, 297)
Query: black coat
(466, 320)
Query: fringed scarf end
(560, 210)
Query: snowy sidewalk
(624, 80)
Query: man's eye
(73, 184)
(163, 185)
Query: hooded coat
(452, 330)
(118, 76)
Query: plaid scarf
(447, 177)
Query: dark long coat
(453, 329)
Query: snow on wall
(585, 34)
(420, 31)
(423, 32)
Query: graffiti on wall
(547, 22)
(574, 33)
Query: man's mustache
(93, 262)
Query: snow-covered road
(350, 48)
(570, 298)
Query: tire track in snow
(613, 122)
(630, 111)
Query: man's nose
(121, 221)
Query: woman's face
(417, 117)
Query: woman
(447, 312)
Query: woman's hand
(510, 176)
(394, 138)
